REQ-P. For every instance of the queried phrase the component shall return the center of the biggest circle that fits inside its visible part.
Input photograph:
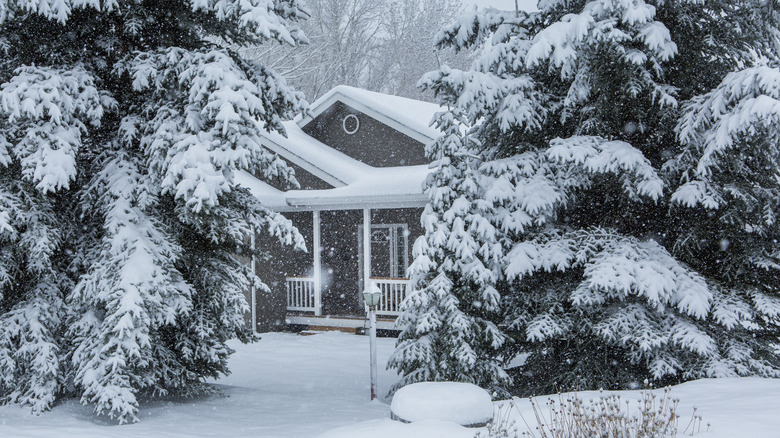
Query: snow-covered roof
(332, 166)
(380, 187)
(412, 117)
(356, 184)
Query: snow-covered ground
(303, 386)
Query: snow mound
(462, 403)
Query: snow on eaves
(384, 186)
(356, 184)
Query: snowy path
(301, 386)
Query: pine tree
(627, 169)
(122, 127)
(450, 333)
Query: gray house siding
(374, 143)
(279, 262)
(305, 178)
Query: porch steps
(347, 324)
(310, 333)
(308, 325)
(317, 329)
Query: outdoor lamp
(372, 295)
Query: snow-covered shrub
(448, 333)
(610, 415)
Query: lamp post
(372, 297)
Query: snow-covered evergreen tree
(450, 333)
(626, 165)
(122, 125)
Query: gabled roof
(356, 184)
(409, 116)
(332, 166)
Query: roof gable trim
(382, 117)
(303, 163)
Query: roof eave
(354, 202)
(305, 164)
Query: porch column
(317, 265)
(366, 248)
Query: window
(351, 124)
(389, 250)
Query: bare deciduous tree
(380, 45)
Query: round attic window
(351, 124)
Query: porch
(348, 249)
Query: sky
(526, 5)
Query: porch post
(317, 265)
(366, 249)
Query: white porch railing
(300, 293)
(393, 293)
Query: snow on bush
(607, 415)
(461, 403)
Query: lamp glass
(372, 298)
(372, 295)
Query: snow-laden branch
(218, 130)
(138, 289)
(615, 267)
(739, 119)
(45, 113)
(622, 22)
(597, 155)
(263, 19)
(745, 105)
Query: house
(359, 157)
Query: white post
(366, 249)
(252, 288)
(317, 265)
(367, 288)
(372, 335)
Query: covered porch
(348, 249)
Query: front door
(389, 250)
